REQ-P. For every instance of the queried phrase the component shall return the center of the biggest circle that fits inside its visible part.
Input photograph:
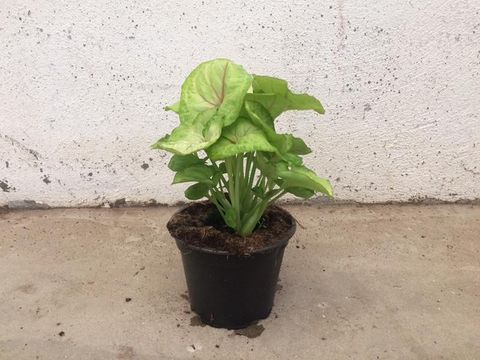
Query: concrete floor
(358, 282)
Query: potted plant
(232, 244)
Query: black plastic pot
(232, 291)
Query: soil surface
(201, 225)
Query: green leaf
(275, 96)
(218, 85)
(292, 159)
(196, 191)
(240, 137)
(259, 191)
(304, 102)
(190, 138)
(300, 176)
(301, 192)
(261, 117)
(175, 107)
(264, 162)
(299, 147)
(197, 173)
(180, 162)
(222, 167)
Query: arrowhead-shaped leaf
(275, 96)
(218, 85)
(212, 97)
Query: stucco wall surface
(83, 84)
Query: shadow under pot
(231, 280)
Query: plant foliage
(227, 145)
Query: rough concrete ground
(358, 282)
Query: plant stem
(238, 182)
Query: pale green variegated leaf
(261, 118)
(197, 173)
(196, 191)
(175, 107)
(212, 97)
(180, 162)
(300, 176)
(275, 96)
(240, 137)
(190, 138)
(220, 85)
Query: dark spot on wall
(46, 180)
(7, 164)
(145, 166)
(4, 186)
(90, 174)
(367, 107)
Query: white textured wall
(83, 84)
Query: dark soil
(201, 225)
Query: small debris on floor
(128, 299)
(196, 321)
(252, 331)
(194, 347)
